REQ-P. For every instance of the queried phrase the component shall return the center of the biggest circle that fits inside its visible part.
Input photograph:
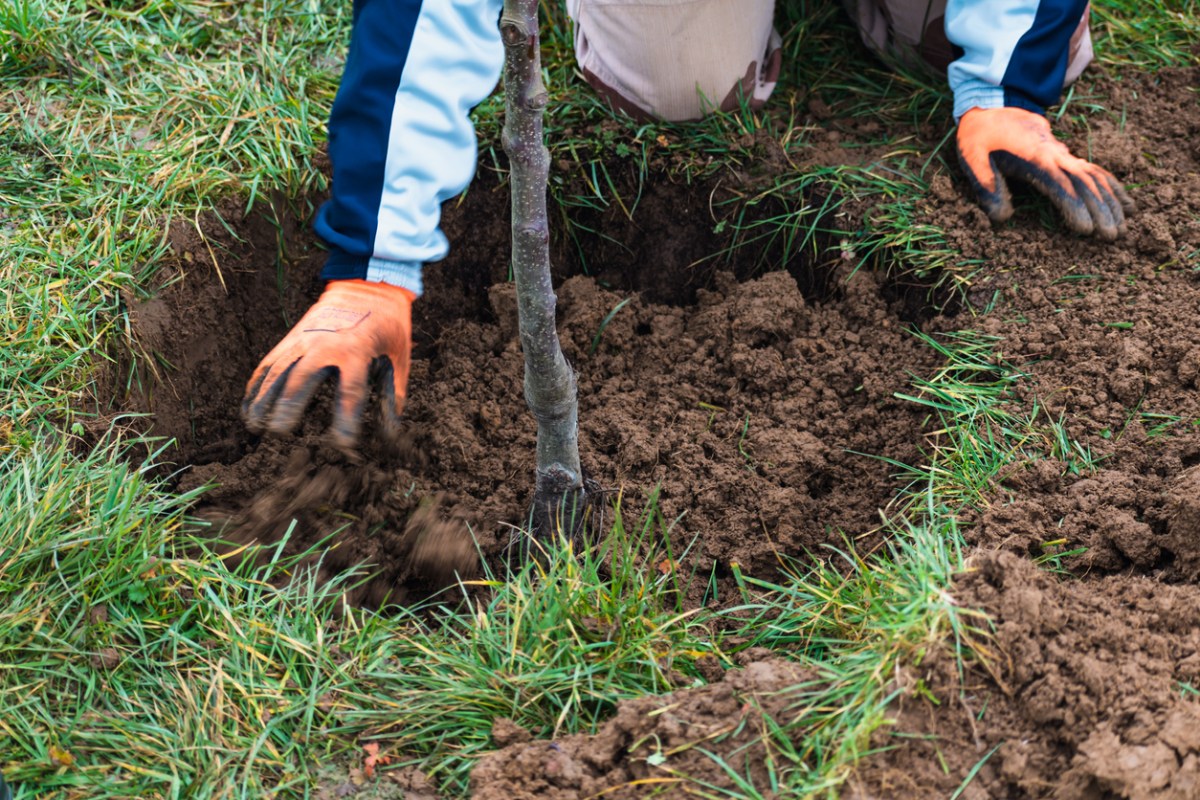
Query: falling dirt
(759, 408)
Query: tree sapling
(560, 496)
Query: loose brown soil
(760, 406)
(1094, 691)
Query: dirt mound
(652, 743)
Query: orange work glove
(355, 328)
(998, 142)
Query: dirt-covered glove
(997, 142)
(355, 328)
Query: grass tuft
(552, 647)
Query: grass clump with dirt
(135, 663)
(552, 647)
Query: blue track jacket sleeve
(400, 138)
(1015, 52)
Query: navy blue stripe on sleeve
(359, 127)
(1034, 77)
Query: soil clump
(647, 747)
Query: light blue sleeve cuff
(405, 274)
(976, 93)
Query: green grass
(135, 664)
(855, 620)
(553, 648)
(118, 120)
(984, 425)
(1146, 36)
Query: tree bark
(549, 380)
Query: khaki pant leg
(914, 32)
(677, 59)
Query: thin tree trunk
(549, 380)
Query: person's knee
(678, 59)
(911, 32)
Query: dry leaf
(373, 759)
(60, 757)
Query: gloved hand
(355, 328)
(998, 142)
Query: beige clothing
(677, 59)
(681, 59)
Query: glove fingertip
(1095, 217)
(258, 404)
(292, 401)
(994, 202)
(392, 384)
(1118, 189)
(253, 390)
(997, 205)
(998, 212)
(1114, 217)
(344, 433)
(1078, 220)
(347, 417)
